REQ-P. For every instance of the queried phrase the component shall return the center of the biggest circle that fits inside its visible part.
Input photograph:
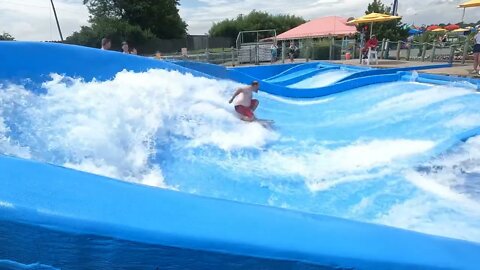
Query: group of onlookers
(371, 44)
(292, 51)
(107, 44)
(476, 52)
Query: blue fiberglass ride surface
(308, 162)
(89, 64)
(71, 230)
(314, 79)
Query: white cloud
(34, 20)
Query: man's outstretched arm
(235, 95)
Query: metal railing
(426, 51)
(330, 49)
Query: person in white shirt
(106, 44)
(476, 52)
(273, 51)
(291, 51)
(244, 103)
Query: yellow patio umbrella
(439, 30)
(373, 18)
(469, 4)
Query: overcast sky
(34, 20)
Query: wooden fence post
(424, 51)
(465, 51)
(399, 46)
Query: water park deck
(461, 70)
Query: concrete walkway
(455, 70)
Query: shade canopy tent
(374, 18)
(321, 27)
(452, 27)
(414, 31)
(469, 4)
(433, 27)
(439, 30)
(461, 30)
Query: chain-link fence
(455, 51)
(335, 49)
(227, 56)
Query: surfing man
(244, 103)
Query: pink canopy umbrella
(321, 27)
(432, 27)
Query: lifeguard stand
(254, 46)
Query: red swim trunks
(247, 111)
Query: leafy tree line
(255, 20)
(136, 21)
(392, 30)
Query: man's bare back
(244, 102)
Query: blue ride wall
(268, 76)
(80, 203)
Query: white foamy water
(430, 215)
(111, 128)
(418, 99)
(321, 168)
(299, 102)
(9, 99)
(405, 104)
(322, 79)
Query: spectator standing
(125, 48)
(274, 52)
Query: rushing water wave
(353, 155)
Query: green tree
(6, 37)
(392, 30)
(255, 20)
(116, 29)
(160, 17)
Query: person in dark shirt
(291, 51)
